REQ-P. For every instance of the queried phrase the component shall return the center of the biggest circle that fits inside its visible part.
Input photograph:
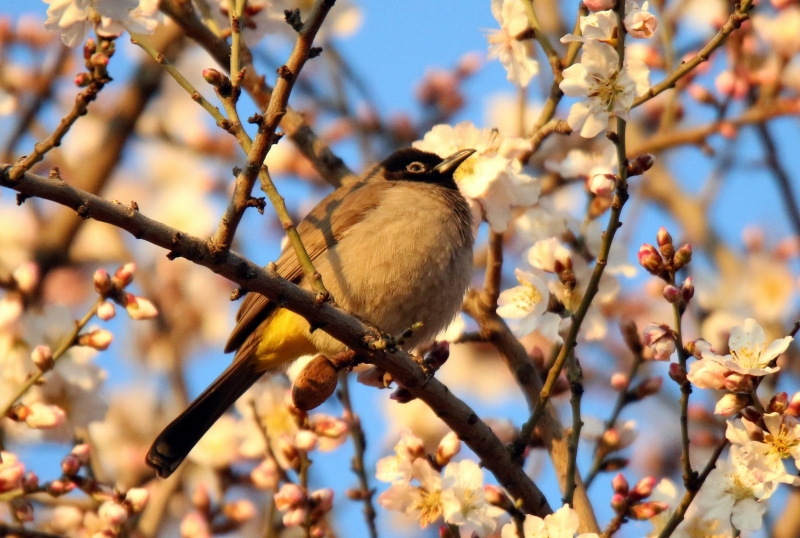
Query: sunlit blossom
(563, 523)
(749, 353)
(74, 18)
(515, 55)
(463, 501)
(423, 500)
(526, 302)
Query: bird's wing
(322, 228)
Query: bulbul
(394, 248)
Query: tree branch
(334, 321)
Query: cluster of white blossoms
(74, 18)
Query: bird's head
(412, 164)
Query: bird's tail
(174, 443)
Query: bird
(393, 247)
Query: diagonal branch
(334, 321)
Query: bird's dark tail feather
(174, 443)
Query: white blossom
(749, 354)
(503, 43)
(606, 87)
(563, 523)
(463, 501)
(639, 23)
(423, 500)
(526, 302)
(74, 18)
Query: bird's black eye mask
(411, 164)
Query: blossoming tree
(577, 394)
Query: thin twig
(689, 476)
(781, 177)
(575, 377)
(65, 344)
(359, 446)
(734, 22)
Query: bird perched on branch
(393, 247)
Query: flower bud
(702, 95)
(603, 185)
(289, 496)
(137, 499)
(56, 488)
(620, 484)
(82, 452)
(495, 496)
(215, 78)
(639, 23)
(687, 290)
(99, 59)
(738, 383)
(620, 381)
(26, 276)
(730, 404)
(22, 510)
(447, 449)
(327, 426)
(44, 416)
(294, 517)
(672, 294)
(98, 339)
(619, 503)
(682, 257)
(323, 500)
(70, 465)
(194, 525)
(642, 490)
(89, 48)
(663, 237)
(697, 347)
(11, 473)
(30, 483)
(139, 307)
(641, 164)
(42, 357)
(266, 475)
(599, 5)
(676, 373)
(647, 510)
(106, 311)
(779, 403)
(438, 355)
(83, 79)
(102, 282)
(650, 259)
(660, 339)
(286, 448)
(124, 275)
(648, 387)
(610, 465)
(239, 511)
(373, 377)
(305, 440)
(112, 513)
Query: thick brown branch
(334, 321)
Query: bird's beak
(451, 163)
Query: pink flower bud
(599, 5)
(610, 440)
(201, 500)
(468, 64)
(124, 275)
(56, 488)
(98, 339)
(266, 475)
(294, 517)
(619, 503)
(112, 513)
(620, 484)
(102, 282)
(642, 490)
(730, 404)
(641, 164)
(140, 308)
(738, 383)
(672, 294)
(661, 339)
(42, 357)
(697, 347)
(730, 85)
(663, 237)
(620, 381)
(11, 473)
(647, 510)
(448, 448)
(794, 405)
(26, 276)
(44, 416)
(83, 79)
(683, 256)
(305, 440)
(495, 496)
(106, 311)
(82, 452)
(701, 94)
(323, 500)
(603, 185)
(687, 290)
(327, 426)
(30, 482)
(70, 465)
(640, 24)
(215, 78)
(650, 259)
(22, 510)
(137, 499)
(194, 525)
(99, 59)
(289, 496)
(676, 373)
(239, 511)
(286, 448)
(414, 445)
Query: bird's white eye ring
(416, 167)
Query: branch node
(314, 52)
(292, 17)
(285, 73)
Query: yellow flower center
(606, 90)
(528, 297)
(738, 489)
(466, 169)
(748, 357)
(429, 504)
(782, 444)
